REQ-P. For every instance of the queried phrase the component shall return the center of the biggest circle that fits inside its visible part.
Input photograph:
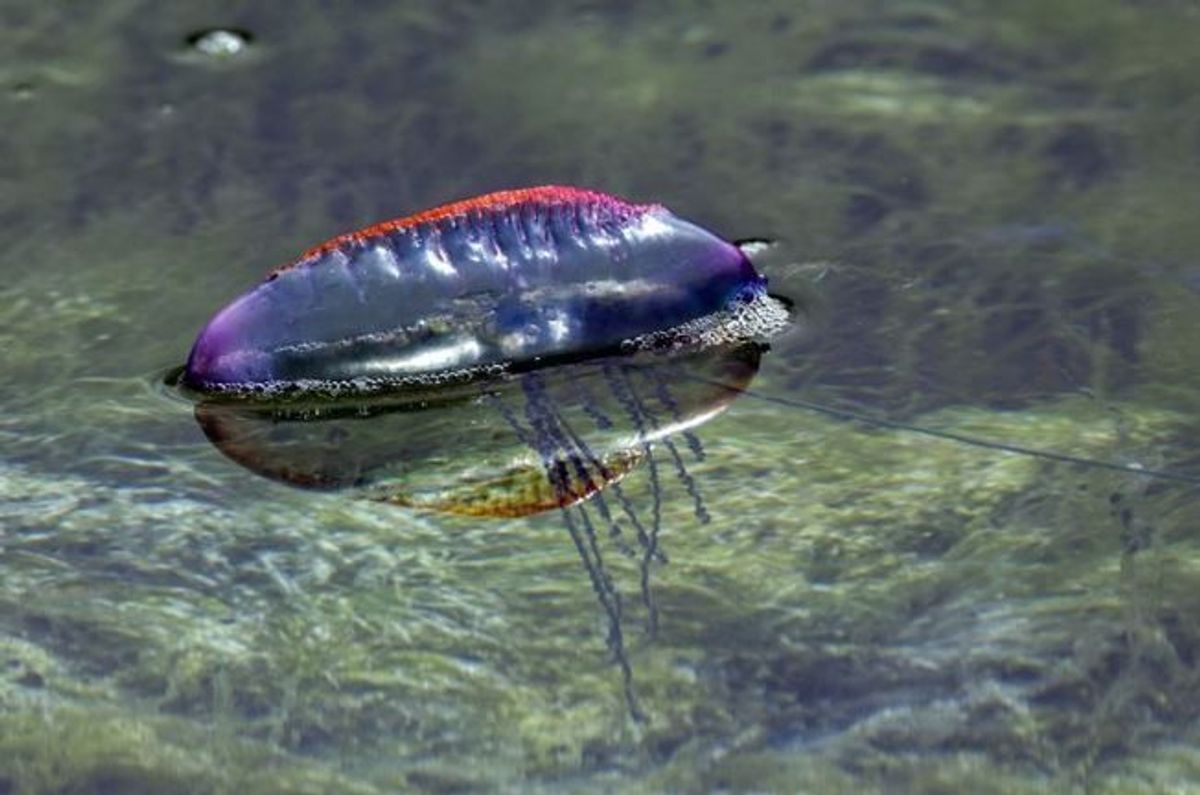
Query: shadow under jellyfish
(575, 334)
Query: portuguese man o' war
(505, 282)
(513, 353)
(519, 352)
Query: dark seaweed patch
(1079, 157)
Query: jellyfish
(557, 339)
(577, 336)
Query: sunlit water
(988, 216)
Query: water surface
(988, 210)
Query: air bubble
(220, 43)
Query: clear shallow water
(990, 213)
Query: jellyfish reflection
(508, 447)
(561, 438)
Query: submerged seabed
(993, 208)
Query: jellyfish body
(507, 281)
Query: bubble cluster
(755, 317)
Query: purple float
(507, 282)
